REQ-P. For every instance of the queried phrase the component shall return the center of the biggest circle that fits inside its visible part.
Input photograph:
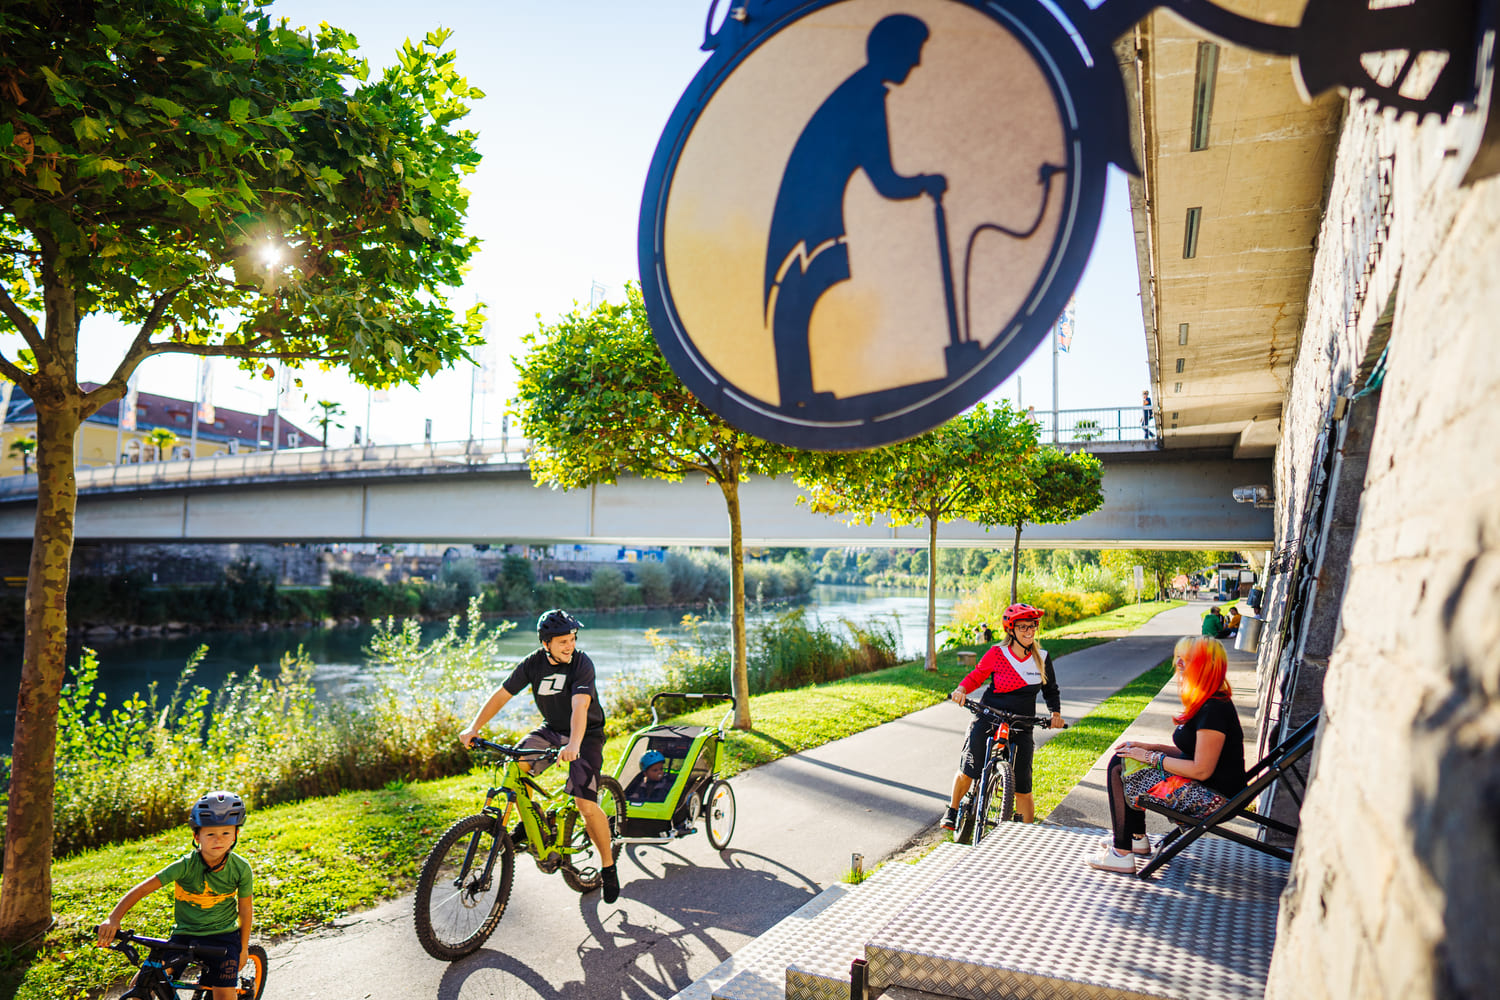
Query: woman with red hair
(1201, 769)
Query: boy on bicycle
(561, 678)
(1013, 674)
(212, 893)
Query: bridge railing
(287, 462)
(1097, 426)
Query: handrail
(286, 462)
(1098, 425)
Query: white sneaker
(1140, 846)
(1108, 861)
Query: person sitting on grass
(211, 887)
(652, 783)
(1231, 623)
(1201, 769)
(1213, 623)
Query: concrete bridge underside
(1154, 500)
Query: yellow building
(101, 442)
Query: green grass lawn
(1128, 617)
(317, 860)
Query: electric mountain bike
(992, 799)
(165, 961)
(466, 879)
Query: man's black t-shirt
(1218, 713)
(553, 685)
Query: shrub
(128, 770)
(607, 587)
(687, 577)
(655, 581)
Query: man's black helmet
(555, 623)
(218, 809)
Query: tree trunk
(931, 664)
(26, 891)
(1015, 566)
(739, 674)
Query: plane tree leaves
(1058, 487)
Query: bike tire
(260, 961)
(719, 814)
(999, 802)
(612, 801)
(456, 908)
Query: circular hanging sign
(864, 215)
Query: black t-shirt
(553, 685)
(1218, 713)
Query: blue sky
(577, 94)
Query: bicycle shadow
(642, 946)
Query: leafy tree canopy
(960, 469)
(230, 184)
(598, 400)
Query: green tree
(953, 471)
(24, 448)
(1059, 487)
(329, 417)
(598, 401)
(223, 186)
(163, 439)
(1160, 565)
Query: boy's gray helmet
(555, 623)
(218, 809)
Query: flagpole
(197, 402)
(276, 410)
(1054, 384)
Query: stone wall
(1395, 888)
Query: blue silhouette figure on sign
(807, 254)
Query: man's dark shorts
(216, 971)
(583, 773)
(1020, 738)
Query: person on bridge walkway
(1013, 674)
(561, 678)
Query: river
(615, 641)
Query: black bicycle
(992, 799)
(165, 961)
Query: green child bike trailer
(689, 791)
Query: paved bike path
(684, 908)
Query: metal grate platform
(1022, 916)
(865, 906)
(822, 972)
(765, 948)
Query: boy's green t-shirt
(207, 902)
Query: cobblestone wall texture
(1395, 888)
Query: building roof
(176, 415)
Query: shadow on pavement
(635, 955)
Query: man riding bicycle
(1013, 673)
(561, 678)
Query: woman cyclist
(1013, 673)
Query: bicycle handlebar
(125, 938)
(997, 715)
(515, 753)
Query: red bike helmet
(1020, 613)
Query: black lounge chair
(1281, 762)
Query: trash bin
(967, 659)
(1247, 639)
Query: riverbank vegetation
(247, 594)
(128, 770)
(318, 859)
